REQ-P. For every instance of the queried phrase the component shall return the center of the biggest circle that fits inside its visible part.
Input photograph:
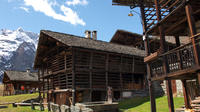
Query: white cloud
(25, 9)
(77, 2)
(46, 7)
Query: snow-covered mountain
(17, 49)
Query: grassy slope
(143, 104)
(18, 98)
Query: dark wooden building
(173, 18)
(19, 82)
(128, 38)
(77, 69)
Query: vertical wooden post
(170, 96)
(48, 94)
(73, 78)
(198, 79)
(91, 61)
(107, 59)
(152, 96)
(53, 86)
(39, 84)
(162, 35)
(191, 23)
(66, 76)
(178, 52)
(121, 80)
(186, 95)
(47, 89)
(133, 65)
(177, 40)
(147, 49)
(43, 83)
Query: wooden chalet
(174, 18)
(19, 82)
(77, 69)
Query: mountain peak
(20, 29)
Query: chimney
(94, 35)
(87, 34)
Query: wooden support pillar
(73, 78)
(152, 96)
(186, 95)
(191, 23)
(147, 49)
(170, 95)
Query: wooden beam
(186, 95)
(170, 95)
(191, 23)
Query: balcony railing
(180, 58)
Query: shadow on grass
(2, 107)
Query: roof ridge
(91, 39)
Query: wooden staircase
(196, 104)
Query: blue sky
(68, 16)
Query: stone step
(195, 101)
(195, 105)
(197, 98)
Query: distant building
(18, 82)
(77, 69)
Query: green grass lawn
(18, 98)
(141, 104)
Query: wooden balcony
(175, 64)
